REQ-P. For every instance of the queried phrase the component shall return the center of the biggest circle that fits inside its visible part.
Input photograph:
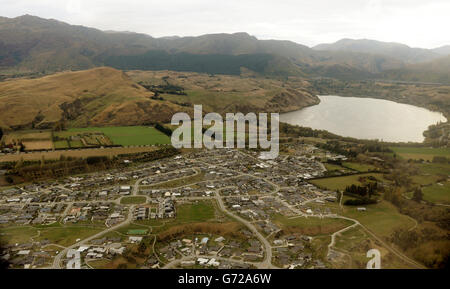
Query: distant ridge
(392, 49)
(29, 44)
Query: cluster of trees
(417, 195)
(359, 202)
(441, 160)
(363, 194)
(298, 130)
(425, 245)
(204, 63)
(347, 146)
(43, 169)
(164, 152)
(362, 191)
(63, 167)
(165, 130)
(394, 196)
(339, 148)
(164, 89)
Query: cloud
(413, 22)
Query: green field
(196, 212)
(75, 144)
(66, 236)
(19, 234)
(132, 200)
(424, 153)
(61, 144)
(435, 168)
(309, 221)
(340, 183)
(56, 233)
(437, 193)
(332, 167)
(129, 135)
(137, 232)
(381, 218)
(425, 179)
(201, 211)
(355, 241)
(179, 182)
(359, 167)
(431, 173)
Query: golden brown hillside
(230, 93)
(99, 96)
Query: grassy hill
(228, 93)
(97, 97)
(108, 97)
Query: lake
(366, 118)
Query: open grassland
(66, 236)
(340, 183)
(381, 218)
(98, 263)
(355, 243)
(24, 135)
(128, 135)
(311, 225)
(17, 234)
(431, 173)
(99, 97)
(359, 166)
(423, 153)
(178, 182)
(437, 193)
(425, 179)
(80, 153)
(333, 167)
(63, 235)
(61, 144)
(435, 169)
(31, 139)
(199, 213)
(225, 93)
(196, 212)
(133, 200)
(38, 145)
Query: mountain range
(29, 44)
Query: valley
(87, 162)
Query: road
(393, 250)
(267, 262)
(63, 253)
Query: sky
(417, 23)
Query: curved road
(267, 262)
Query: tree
(21, 146)
(19, 163)
(142, 247)
(417, 195)
(42, 161)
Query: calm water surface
(366, 118)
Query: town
(112, 212)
